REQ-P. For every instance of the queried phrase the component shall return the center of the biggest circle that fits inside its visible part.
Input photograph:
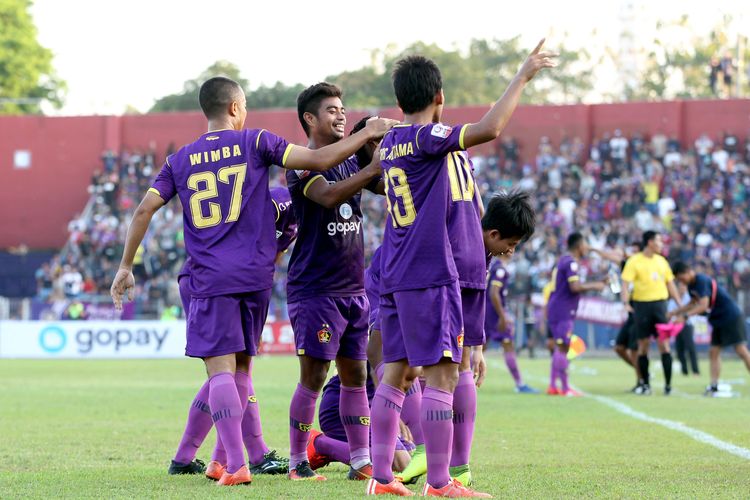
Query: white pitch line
(700, 436)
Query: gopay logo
(52, 339)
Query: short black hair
(647, 236)
(362, 154)
(216, 94)
(574, 240)
(511, 214)
(308, 101)
(680, 267)
(416, 82)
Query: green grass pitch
(107, 429)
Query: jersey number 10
(206, 188)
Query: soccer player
(222, 182)
(199, 423)
(653, 283)
(328, 307)
(626, 343)
(499, 324)
(562, 308)
(420, 304)
(727, 322)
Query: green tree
(27, 78)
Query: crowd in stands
(611, 190)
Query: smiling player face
(496, 245)
(330, 120)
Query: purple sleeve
(164, 183)
(437, 139)
(272, 148)
(570, 271)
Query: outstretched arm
(493, 123)
(331, 195)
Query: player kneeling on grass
(727, 322)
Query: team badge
(440, 130)
(345, 210)
(461, 339)
(364, 421)
(252, 399)
(324, 334)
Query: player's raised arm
(493, 123)
(301, 158)
(124, 281)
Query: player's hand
(480, 366)
(377, 127)
(537, 60)
(374, 167)
(403, 429)
(124, 282)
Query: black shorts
(647, 315)
(626, 335)
(729, 334)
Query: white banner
(92, 339)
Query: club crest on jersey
(440, 130)
(324, 334)
(345, 210)
(461, 339)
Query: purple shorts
(327, 327)
(422, 326)
(472, 309)
(561, 331)
(374, 310)
(226, 324)
(504, 336)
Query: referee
(726, 319)
(653, 283)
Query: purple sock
(337, 450)
(437, 424)
(386, 408)
(226, 412)
(252, 433)
(410, 412)
(198, 425)
(354, 410)
(301, 416)
(464, 415)
(562, 369)
(510, 362)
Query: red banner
(278, 338)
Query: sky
(115, 54)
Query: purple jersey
(222, 182)
(329, 257)
(416, 250)
(286, 223)
(563, 302)
(464, 224)
(497, 276)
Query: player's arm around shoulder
(493, 123)
(330, 195)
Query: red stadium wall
(38, 202)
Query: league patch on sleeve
(500, 273)
(440, 130)
(574, 267)
(302, 173)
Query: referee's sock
(643, 366)
(666, 364)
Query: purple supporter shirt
(286, 225)
(222, 182)
(464, 223)
(498, 275)
(416, 251)
(329, 256)
(563, 302)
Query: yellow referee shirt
(649, 277)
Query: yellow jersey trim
(416, 136)
(276, 206)
(286, 154)
(309, 183)
(448, 354)
(496, 283)
(156, 192)
(257, 138)
(300, 352)
(573, 278)
(461, 136)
